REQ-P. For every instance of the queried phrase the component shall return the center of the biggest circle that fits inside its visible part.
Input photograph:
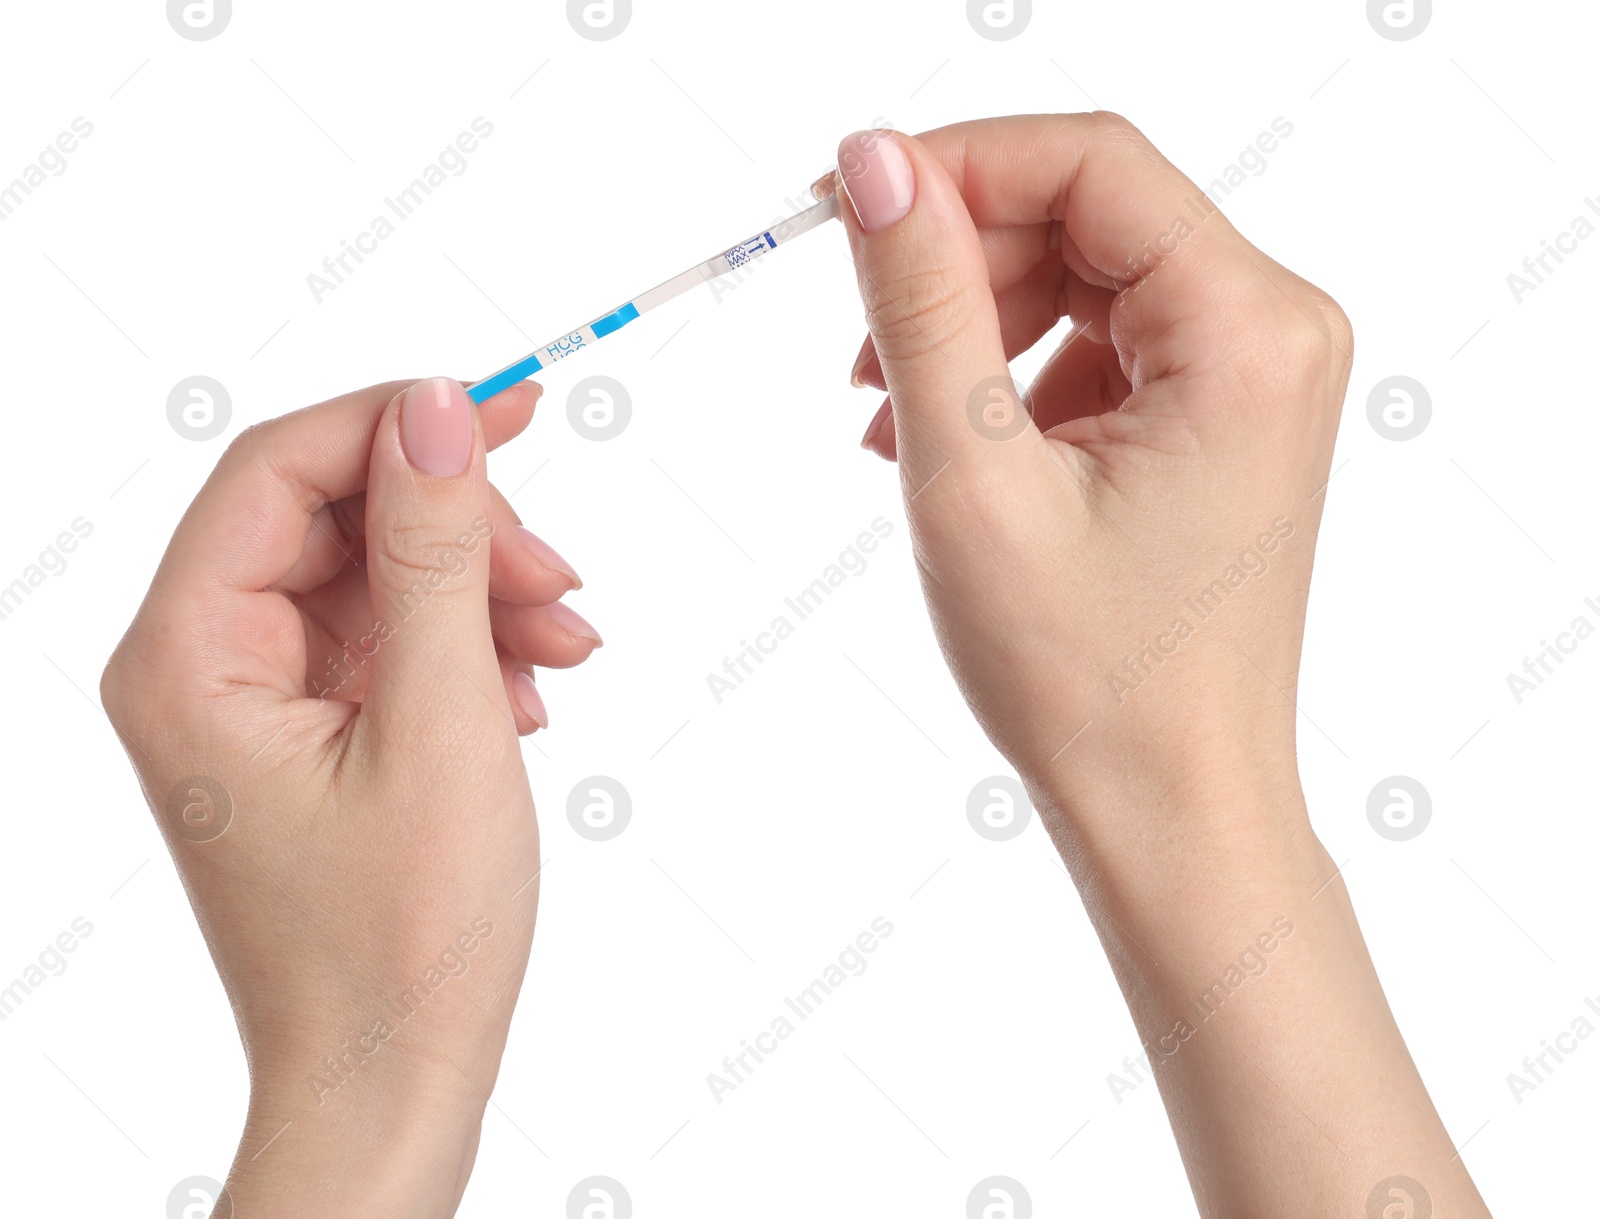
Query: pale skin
(1190, 417)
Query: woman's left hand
(322, 694)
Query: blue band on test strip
(729, 261)
(485, 390)
(614, 321)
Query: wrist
(401, 1145)
(1148, 818)
(1173, 872)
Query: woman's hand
(1119, 584)
(322, 694)
(1128, 570)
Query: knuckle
(113, 687)
(137, 688)
(1340, 331)
(1305, 339)
(917, 312)
(253, 439)
(413, 552)
(1317, 334)
(1292, 338)
(1113, 127)
(250, 444)
(1283, 355)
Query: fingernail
(528, 699)
(866, 370)
(876, 425)
(569, 620)
(546, 554)
(436, 427)
(877, 176)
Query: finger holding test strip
(728, 261)
(326, 690)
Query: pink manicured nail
(876, 425)
(436, 427)
(569, 620)
(877, 177)
(867, 370)
(546, 554)
(527, 695)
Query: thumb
(428, 526)
(925, 283)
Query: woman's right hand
(1127, 570)
(1117, 568)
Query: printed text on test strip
(724, 263)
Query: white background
(770, 829)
